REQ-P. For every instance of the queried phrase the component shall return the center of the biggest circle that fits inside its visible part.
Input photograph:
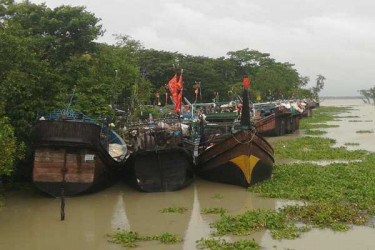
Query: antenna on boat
(245, 114)
(71, 98)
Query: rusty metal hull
(69, 158)
(241, 159)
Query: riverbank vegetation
(45, 51)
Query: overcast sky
(335, 38)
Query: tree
(319, 85)
(11, 150)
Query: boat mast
(245, 114)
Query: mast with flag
(245, 115)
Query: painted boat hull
(242, 159)
(69, 159)
(163, 170)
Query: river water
(31, 220)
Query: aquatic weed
(213, 210)
(351, 144)
(217, 196)
(179, 210)
(167, 238)
(327, 214)
(130, 239)
(364, 131)
(224, 245)
(322, 115)
(351, 182)
(314, 148)
(314, 132)
(280, 226)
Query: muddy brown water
(31, 220)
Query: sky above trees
(333, 38)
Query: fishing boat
(158, 160)
(239, 157)
(74, 155)
(273, 122)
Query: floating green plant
(327, 215)
(315, 132)
(338, 195)
(179, 210)
(213, 210)
(217, 196)
(321, 116)
(338, 182)
(348, 116)
(351, 144)
(224, 245)
(256, 220)
(364, 131)
(314, 148)
(130, 239)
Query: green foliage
(315, 132)
(130, 239)
(179, 210)
(11, 149)
(142, 113)
(214, 244)
(314, 148)
(213, 210)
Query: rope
(246, 142)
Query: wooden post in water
(64, 170)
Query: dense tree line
(44, 52)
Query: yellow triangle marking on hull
(246, 164)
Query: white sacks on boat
(117, 151)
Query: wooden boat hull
(163, 170)
(242, 159)
(272, 125)
(69, 159)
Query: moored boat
(74, 155)
(158, 162)
(240, 158)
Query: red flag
(172, 85)
(179, 96)
(246, 82)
